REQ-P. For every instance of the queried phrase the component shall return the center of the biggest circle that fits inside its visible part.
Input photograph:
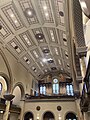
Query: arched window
(71, 116)
(43, 89)
(69, 89)
(3, 86)
(48, 116)
(55, 86)
(28, 116)
(0, 87)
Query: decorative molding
(79, 79)
(82, 51)
(78, 24)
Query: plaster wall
(50, 106)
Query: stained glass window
(42, 90)
(69, 89)
(55, 86)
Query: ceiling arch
(35, 32)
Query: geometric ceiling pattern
(35, 33)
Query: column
(82, 54)
(82, 51)
(83, 66)
(22, 105)
(5, 116)
(83, 71)
(8, 98)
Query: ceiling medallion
(46, 51)
(16, 47)
(0, 27)
(38, 108)
(50, 61)
(64, 40)
(61, 13)
(59, 108)
(53, 68)
(39, 75)
(29, 12)
(39, 36)
(27, 60)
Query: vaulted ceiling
(35, 32)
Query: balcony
(52, 97)
(13, 108)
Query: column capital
(81, 51)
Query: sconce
(8, 96)
(59, 117)
(37, 116)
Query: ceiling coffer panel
(27, 39)
(34, 68)
(51, 32)
(10, 12)
(60, 11)
(36, 53)
(5, 31)
(28, 11)
(39, 35)
(34, 31)
(45, 8)
(56, 51)
(15, 46)
(27, 60)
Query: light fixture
(15, 21)
(45, 7)
(53, 68)
(45, 70)
(37, 116)
(29, 12)
(46, 14)
(61, 13)
(59, 117)
(44, 60)
(45, 50)
(50, 61)
(39, 36)
(26, 38)
(16, 47)
(64, 39)
(12, 15)
(1, 112)
(8, 96)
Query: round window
(55, 80)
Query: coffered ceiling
(35, 32)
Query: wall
(1, 116)
(19, 73)
(17, 98)
(50, 106)
(13, 116)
